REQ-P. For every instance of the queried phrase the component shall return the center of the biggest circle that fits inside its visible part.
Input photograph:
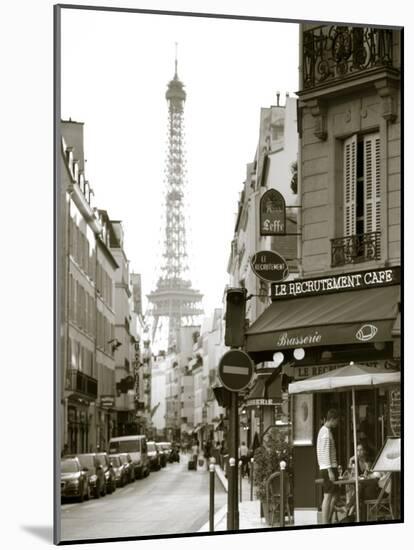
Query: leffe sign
(336, 283)
(272, 213)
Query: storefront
(266, 404)
(78, 427)
(318, 325)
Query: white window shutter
(350, 151)
(372, 195)
(377, 184)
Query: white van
(136, 446)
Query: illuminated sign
(336, 283)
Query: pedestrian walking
(194, 452)
(207, 452)
(243, 456)
(328, 465)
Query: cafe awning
(363, 316)
(266, 390)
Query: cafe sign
(272, 213)
(336, 283)
(269, 266)
(262, 402)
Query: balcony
(332, 53)
(83, 385)
(364, 247)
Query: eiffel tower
(174, 299)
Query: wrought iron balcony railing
(364, 247)
(337, 51)
(82, 384)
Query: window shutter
(350, 149)
(372, 195)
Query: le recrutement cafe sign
(269, 266)
(336, 283)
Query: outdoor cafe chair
(273, 498)
(381, 507)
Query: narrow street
(172, 500)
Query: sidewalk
(249, 510)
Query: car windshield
(87, 461)
(115, 460)
(123, 459)
(166, 446)
(151, 447)
(128, 446)
(69, 466)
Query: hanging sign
(272, 213)
(269, 266)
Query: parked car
(163, 455)
(128, 465)
(136, 446)
(95, 472)
(110, 478)
(73, 480)
(153, 456)
(121, 475)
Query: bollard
(282, 493)
(212, 476)
(251, 477)
(232, 483)
(240, 480)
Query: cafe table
(363, 482)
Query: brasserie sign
(357, 280)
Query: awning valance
(345, 318)
(266, 390)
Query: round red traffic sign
(235, 370)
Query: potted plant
(275, 447)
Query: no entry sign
(235, 370)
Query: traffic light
(235, 317)
(222, 396)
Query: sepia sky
(115, 71)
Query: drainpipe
(66, 363)
(299, 184)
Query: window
(361, 240)
(362, 212)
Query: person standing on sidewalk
(328, 465)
